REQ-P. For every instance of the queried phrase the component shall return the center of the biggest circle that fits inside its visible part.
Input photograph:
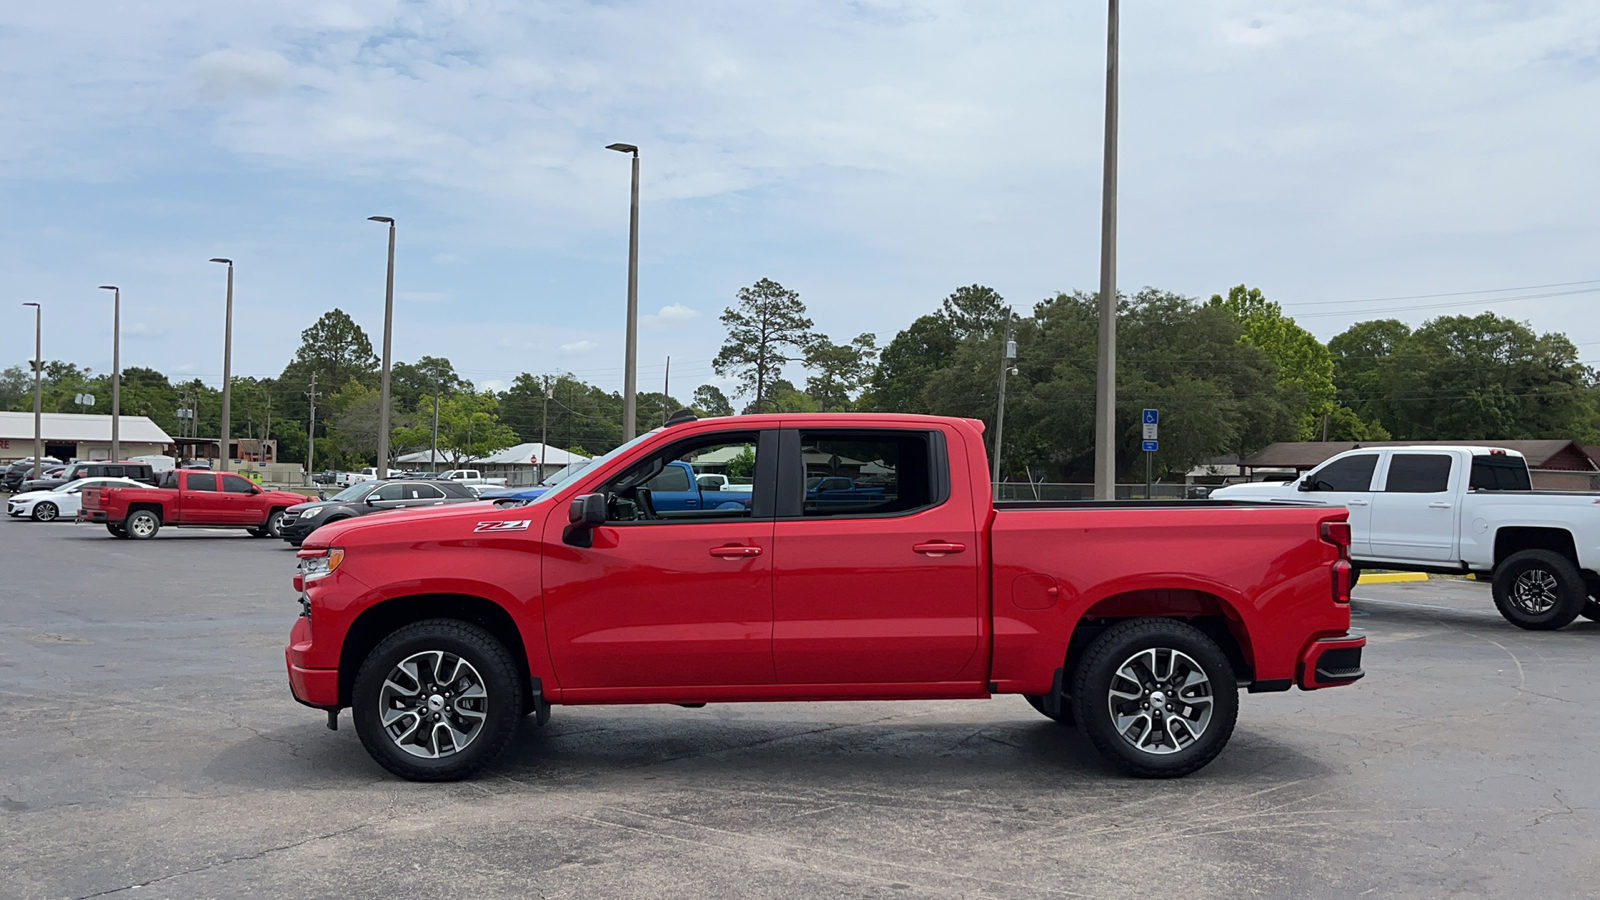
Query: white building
(522, 464)
(69, 436)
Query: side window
(672, 480)
(451, 489)
(200, 481)
(112, 472)
(392, 491)
(633, 496)
(425, 492)
(1418, 473)
(1500, 473)
(866, 472)
(233, 484)
(1353, 473)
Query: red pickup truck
(187, 497)
(1137, 621)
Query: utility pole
(1105, 424)
(544, 429)
(433, 455)
(116, 370)
(38, 389)
(388, 334)
(666, 393)
(1008, 352)
(224, 454)
(630, 371)
(311, 434)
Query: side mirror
(1305, 484)
(586, 513)
(322, 495)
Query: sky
(1354, 160)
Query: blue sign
(1152, 446)
(1152, 417)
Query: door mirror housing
(1305, 484)
(587, 512)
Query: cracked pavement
(153, 750)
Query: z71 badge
(514, 525)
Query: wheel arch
(1516, 538)
(158, 509)
(1209, 612)
(383, 619)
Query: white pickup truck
(1461, 510)
(470, 477)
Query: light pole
(544, 431)
(116, 370)
(223, 456)
(630, 372)
(388, 335)
(1008, 352)
(1105, 420)
(38, 389)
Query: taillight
(1338, 534)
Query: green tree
(337, 351)
(409, 382)
(766, 330)
(842, 370)
(974, 309)
(1305, 367)
(900, 381)
(469, 427)
(709, 400)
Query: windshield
(355, 491)
(597, 462)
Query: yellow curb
(1391, 577)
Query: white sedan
(47, 506)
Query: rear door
(1348, 482)
(1414, 516)
(881, 587)
(200, 502)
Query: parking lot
(152, 750)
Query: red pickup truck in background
(1137, 621)
(188, 497)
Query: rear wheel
(142, 525)
(437, 700)
(1156, 696)
(45, 511)
(1539, 590)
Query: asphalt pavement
(151, 749)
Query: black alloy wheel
(1539, 590)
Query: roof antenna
(682, 416)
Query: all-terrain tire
(1539, 590)
(142, 525)
(488, 665)
(1186, 697)
(1064, 717)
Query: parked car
(54, 477)
(324, 477)
(188, 497)
(366, 498)
(470, 476)
(441, 629)
(138, 471)
(505, 499)
(1461, 510)
(827, 492)
(63, 501)
(21, 470)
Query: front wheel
(45, 511)
(437, 700)
(142, 525)
(1156, 696)
(1539, 590)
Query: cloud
(241, 72)
(578, 347)
(671, 314)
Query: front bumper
(313, 687)
(1331, 662)
(18, 509)
(298, 528)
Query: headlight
(315, 564)
(313, 512)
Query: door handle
(735, 552)
(690, 502)
(938, 548)
(1438, 505)
(1358, 503)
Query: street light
(38, 390)
(223, 456)
(116, 370)
(388, 334)
(630, 372)
(1105, 419)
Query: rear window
(1500, 473)
(866, 472)
(1418, 473)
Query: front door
(1414, 516)
(678, 598)
(876, 578)
(1347, 482)
(239, 500)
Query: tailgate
(92, 498)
